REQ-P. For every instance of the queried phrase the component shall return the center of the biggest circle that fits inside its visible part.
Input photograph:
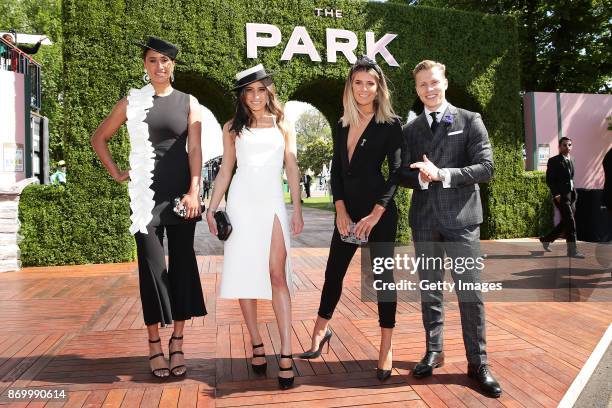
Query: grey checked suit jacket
(465, 152)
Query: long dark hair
(244, 117)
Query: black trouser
(567, 208)
(172, 293)
(340, 255)
(455, 243)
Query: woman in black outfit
(369, 132)
(161, 122)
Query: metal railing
(13, 59)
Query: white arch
(212, 135)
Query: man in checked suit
(446, 153)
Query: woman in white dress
(256, 263)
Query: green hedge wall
(100, 65)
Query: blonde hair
(383, 111)
(428, 64)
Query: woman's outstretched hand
(297, 222)
(212, 223)
(122, 176)
(342, 221)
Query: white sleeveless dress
(255, 197)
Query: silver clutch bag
(351, 238)
(179, 210)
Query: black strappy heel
(259, 368)
(286, 383)
(155, 372)
(173, 337)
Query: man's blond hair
(428, 64)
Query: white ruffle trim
(142, 158)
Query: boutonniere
(448, 119)
(363, 141)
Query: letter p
(254, 41)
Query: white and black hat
(248, 76)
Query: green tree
(565, 45)
(42, 17)
(317, 153)
(314, 141)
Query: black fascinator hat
(162, 46)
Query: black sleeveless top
(168, 122)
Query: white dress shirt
(439, 112)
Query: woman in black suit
(368, 132)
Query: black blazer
(559, 172)
(360, 183)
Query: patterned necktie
(434, 122)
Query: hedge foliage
(100, 65)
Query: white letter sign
(294, 46)
(253, 41)
(346, 48)
(380, 47)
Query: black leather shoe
(545, 245)
(487, 383)
(382, 374)
(431, 360)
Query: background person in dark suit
(307, 181)
(607, 168)
(560, 180)
(446, 153)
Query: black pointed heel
(317, 353)
(259, 368)
(156, 372)
(172, 369)
(286, 383)
(383, 375)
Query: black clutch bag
(180, 211)
(224, 226)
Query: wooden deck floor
(80, 328)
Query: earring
(145, 77)
(172, 77)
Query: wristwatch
(441, 174)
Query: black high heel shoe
(383, 374)
(286, 383)
(158, 372)
(172, 370)
(317, 353)
(259, 368)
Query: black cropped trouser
(341, 253)
(175, 292)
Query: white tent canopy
(28, 38)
